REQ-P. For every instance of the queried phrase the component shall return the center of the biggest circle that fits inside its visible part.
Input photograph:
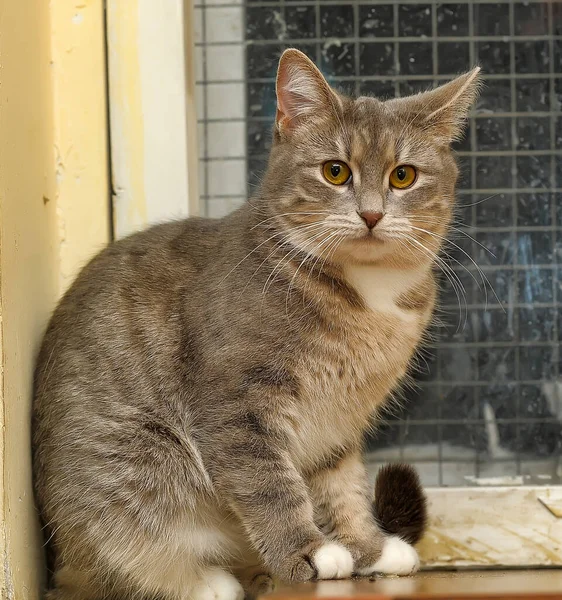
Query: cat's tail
(400, 505)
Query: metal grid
(490, 400)
(220, 87)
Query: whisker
(288, 258)
(261, 244)
(316, 212)
(449, 273)
(458, 262)
(478, 202)
(286, 238)
(485, 279)
(474, 240)
(331, 252)
(310, 253)
(335, 239)
(456, 229)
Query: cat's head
(364, 180)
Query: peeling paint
(149, 147)
(439, 547)
(30, 269)
(500, 526)
(59, 167)
(552, 500)
(8, 581)
(127, 132)
(80, 132)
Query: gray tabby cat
(204, 387)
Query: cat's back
(160, 254)
(117, 328)
(145, 270)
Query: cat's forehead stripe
(371, 141)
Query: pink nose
(371, 218)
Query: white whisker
(485, 280)
(262, 243)
(288, 257)
(310, 253)
(316, 212)
(286, 238)
(449, 273)
(478, 202)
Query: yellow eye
(402, 177)
(336, 172)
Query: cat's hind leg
(193, 566)
(212, 583)
(182, 559)
(74, 583)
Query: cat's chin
(373, 237)
(366, 249)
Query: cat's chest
(382, 289)
(351, 368)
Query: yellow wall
(80, 133)
(54, 213)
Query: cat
(204, 387)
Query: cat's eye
(336, 172)
(402, 177)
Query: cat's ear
(301, 90)
(444, 110)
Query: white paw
(397, 558)
(333, 561)
(217, 584)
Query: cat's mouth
(372, 236)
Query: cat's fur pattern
(204, 387)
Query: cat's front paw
(333, 561)
(217, 584)
(397, 558)
(326, 561)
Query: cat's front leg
(253, 472)
(344, 511)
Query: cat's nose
(371, 218)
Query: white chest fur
(381, 287)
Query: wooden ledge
(434, 585)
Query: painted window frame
(153, 151)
